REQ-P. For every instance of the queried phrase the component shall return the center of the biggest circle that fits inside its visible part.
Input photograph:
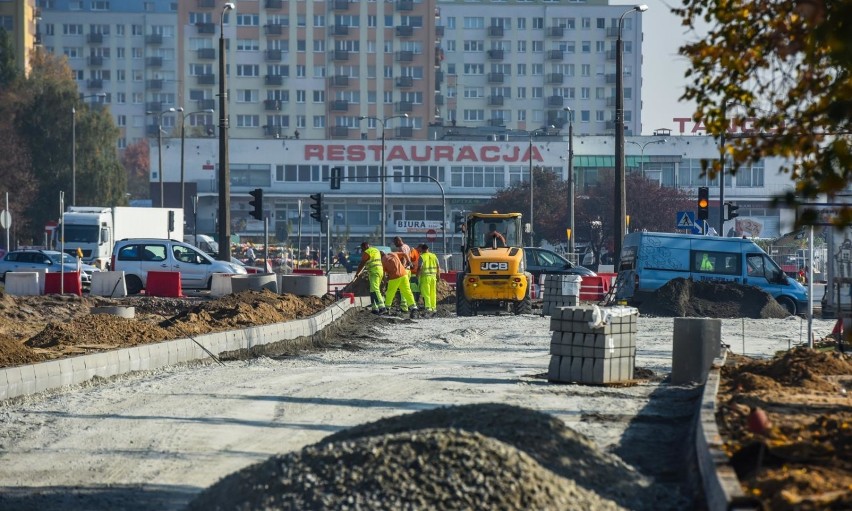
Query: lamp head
(179, 109)
(566, 108)
(405, 116)
(361, 118)
(209, 110)
(172, 109)
(230, 5)
(641, 8)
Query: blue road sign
(685, 220)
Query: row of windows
(105, 29)
(568, 70)
(536, 23)
(477, 46)
(99, 5)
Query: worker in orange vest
(398, 280)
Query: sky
(663, 69)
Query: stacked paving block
(591, 344)
(560, 291)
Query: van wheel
(463, 307)
(788, 304)
(134, 284)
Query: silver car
(50, 260)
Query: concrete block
(113, 364)
(561, 349)
(22, 283)
(576, 373)
(108, 283)
(696, 342)
(28, 379)
(78, 367)
(221, 284)
(14, 384)
(553, 368)
(54, 373)
(42, 377)
(577, 351)
(4, 385)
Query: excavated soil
(787, 426)
(38, 328)
(485, 456)
(708, 299)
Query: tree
(8, 66)
(782, 69)
(137, 160)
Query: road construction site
(156, 439)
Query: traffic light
(703, 203)
(336, 176)
(317, 207)
(731, 211)
(459, 222)
(257, 203)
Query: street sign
(685, 220)
(431, 234)
(5, 219)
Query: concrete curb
(722, 489)
(29, 379)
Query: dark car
(541, 261)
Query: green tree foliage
(8, 65)
(783, 68)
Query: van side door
(193, 266)
(761, 272)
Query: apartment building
(18, 19)
(122, 54)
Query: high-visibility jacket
(428, 264)
(393, 266)
(373, 258)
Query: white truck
(94, 230)
(207, 244)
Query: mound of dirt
(416, 467)
(798, 457)
(710, 299)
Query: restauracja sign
(422, 153)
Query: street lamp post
(384, 122)
(722, 169)
(642, 152)
(182, 141)
(620, 219)
(74, 147)
(160, 148)
(570, 113)
(224, 165)
(531, 134)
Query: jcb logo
(494, 266)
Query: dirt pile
(710, 299)
(437, 459)
(798, 457)
(38, 328)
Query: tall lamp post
(224, 165)
(642, 152)
(570, 113)
(620, 219)
(182, 141)
(160, 148)
(722, 168)
(74, 147)
(531, 134)
(383, 122)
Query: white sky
(663, 69)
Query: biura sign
(494, 266)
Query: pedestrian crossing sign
(685, 220)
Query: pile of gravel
(488, 456)
(709, 299)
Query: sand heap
(709, 299)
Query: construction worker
(398, 279)
(494, 237)
(427, 274)
(706, 263)
(371, 259)
(404, 252)
(414, 256)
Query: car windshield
(551, 259)
(55, 257)
(485, 230)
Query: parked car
(137, 256)
(540, 261)
(33, 260)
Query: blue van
(651, 259)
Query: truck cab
(493, 276)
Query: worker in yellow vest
(371, 259)
(428, 270)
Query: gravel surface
(155, 440)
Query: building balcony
(206, 104)
(495, 100)
(612, 32)
(339, 105)
(496, 31)
(496, 78)
(273, 131)
(274, 80)
(95, 83)
(555, 32)
(405, 56)
(340, 5)
(152, 130)
(95, 38)
(154, 39)
(439, 79)
(405, 81)
(404, 132)
(496, 54)
(611, 54)
(154, 61)
(153, 106)
(154, 84)
(404, 31)
(338, 131)
(273, 55)
(206, 4)
(339, 81)
(271, 104)
(274, 4)
(96, 61)
(340, 56)
(339, 30)
(497, 121)
(404, 106)
(273, 29)
(555, 101)
(205, 28)
(404, 5)
(439, 99)
(555, 55)
(610, 78)
(439, 30)
(208, 79)
(555, 79)
(206, 53)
